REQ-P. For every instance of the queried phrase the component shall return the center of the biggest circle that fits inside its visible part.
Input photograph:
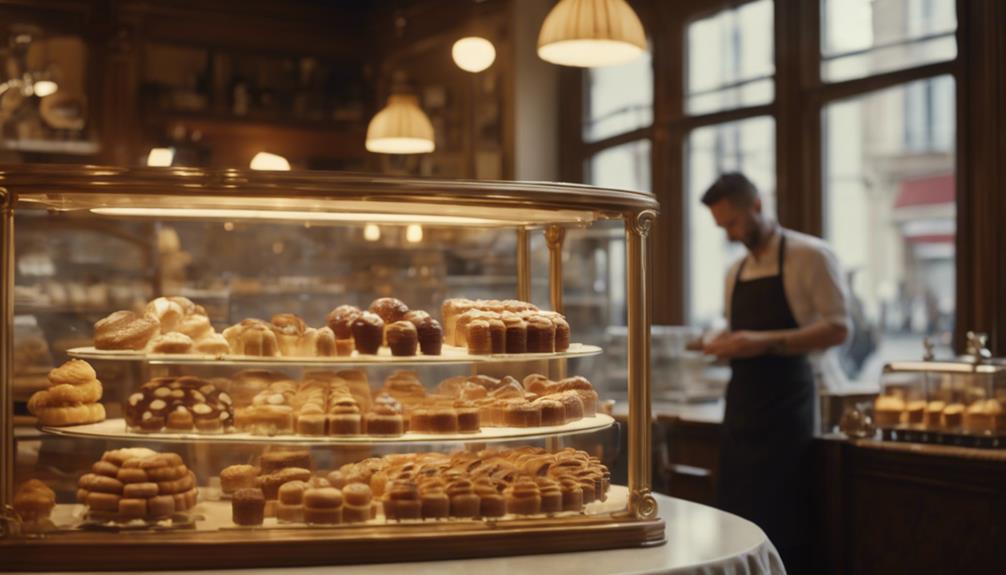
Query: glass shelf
(116, 429)
(450, 356)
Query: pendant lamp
(400, 128)
(591, 33)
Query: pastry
(389, 309)
(325, 345)
(168, 313)
(270, 483)
(62, 415)
(344, 416)
(520, 413)
(145, 485)
(272, 461)
(323, 505)
(523, 497)
(402, 501)
(561, 333)
(915, 412)
(551, 494)
(340, 321)
(248, 506)
(478, 337)
(357, 503)
(540, 334)
(252, 337)
(450, 311)
(368, 333)
(463, 499)
(236, 477)
(497, 335)
(181, 404)
(196, 326)
(491, 502)
(34, 501)
(515, 336)
(572, 405)
(888, 410)
(125, 330)
(572, 493)
(934, 410)
(434, 502)
(431, 336)
(386, 417)
(552, 411)
(213, 344)
(402, 338)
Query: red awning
(929, 191)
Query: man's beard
(755, 236)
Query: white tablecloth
(700, 540)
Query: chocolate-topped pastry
(431, 336)
(390, 309)
(368, 332)
(402, 338)
(179, 404)
(416, 316)
(341, 320)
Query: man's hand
(740, 344)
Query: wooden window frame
(801, 96)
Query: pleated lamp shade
(591, 33)
(400, 128)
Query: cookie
(132, 475)
(105, 468)
(140, 490)
(103, 502)
(167, 473)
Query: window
(730, 63)
(890, 208)
(619, 99)
(863, 37)
(626, 166)
(747, 146)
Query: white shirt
(813, 280)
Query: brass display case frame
(522, 206)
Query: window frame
(800, 97)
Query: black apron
(764, 470)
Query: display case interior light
(295, 215)
(161, 157)
(414, 233)
(371, 232)
(267, 161)
(473, 54)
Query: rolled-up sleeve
(827, 288)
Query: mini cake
(479, 338)
(523, 497)
(516, 333)
(540, 335)
(390, 309)
(402, 501)
(915, 412)
(34, 501)
(497, 335)
(431, 336)
(888, 410)
(435, 503)
(491, 502)
(323, 505)
(236, 477)
(572, 493)
(551, 494)
(519, 413)
(270, 483)
(464, 501)
(385, 418)
(344, 416)
(357, 503)
(368, 333)
(953, 416)
(248, 507)
(402, 338)
(561, 333)
(934, 410)
(340, 321)
(290, 501)
(272, 461)
(171, 342)
(552, 411)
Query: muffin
(403, 339)
(368, 333)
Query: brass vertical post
(523, 265)
(637, 228)
(555, 237)
(6, 349)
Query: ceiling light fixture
(473, 53)
(591, 33)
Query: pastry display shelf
(116, 429)
(449, 355)
(602, 525)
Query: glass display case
(380, 410)
(956, 402)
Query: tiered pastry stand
(628, 519)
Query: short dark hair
(733, 187)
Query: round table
(700, 540)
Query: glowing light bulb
(267, 161)
(371, 232)
(160, 157)
(414, 233)
(44, 88)
(473, 54)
